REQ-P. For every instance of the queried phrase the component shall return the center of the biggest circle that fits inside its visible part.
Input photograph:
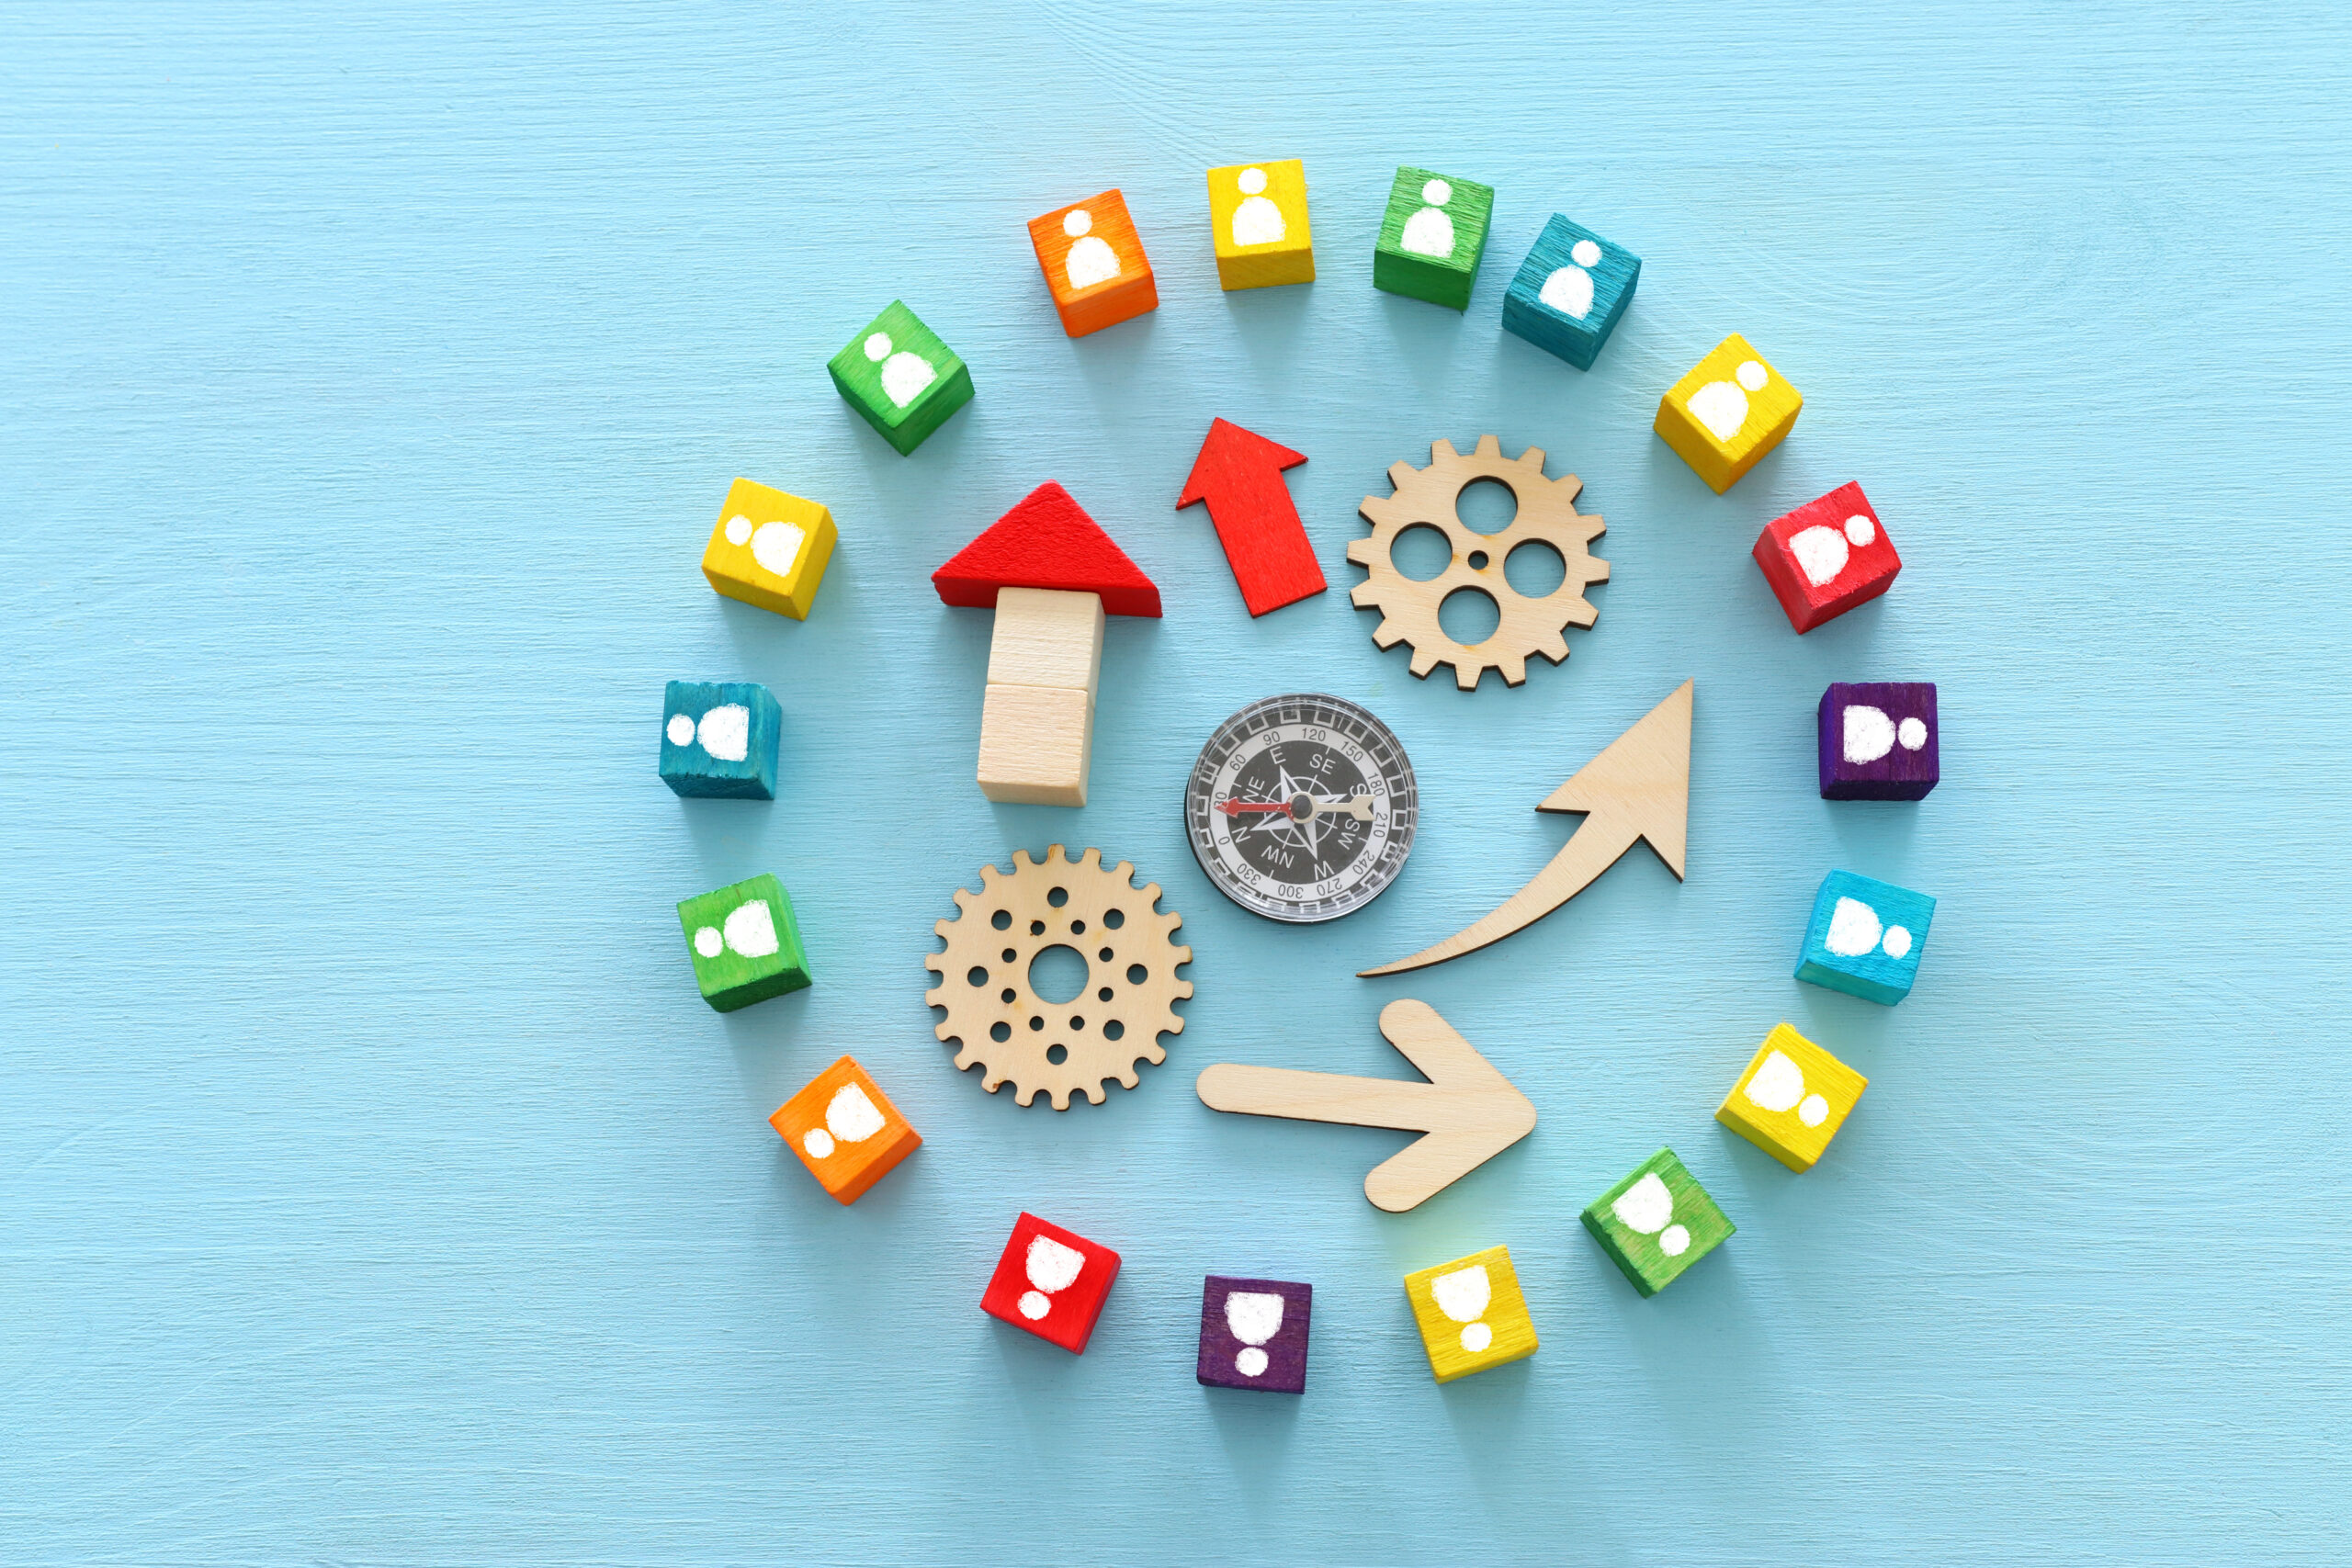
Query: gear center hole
(1057, 974)
(1487, 506)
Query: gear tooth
(1489, 446)
(1466, 674)
(1424, 661)
(962, 1057)
(1442, 452)
(1387, 635)
(1364, 595)
(1600, 576)
(1127, 1077)
(1555, 648)
(1401, 474)
(1360, 553)
(1532, 459)
(1513, 668)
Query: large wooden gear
(1011, 1033)
(1408, 609)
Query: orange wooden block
(1094, 263)
(846, 1130)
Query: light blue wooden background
(376, 1187)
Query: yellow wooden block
(1731, 409)
(1792, 1099)
(1471, 1314)
(1034, 744)
(1045, 636)
(769, 549)
(1258, 212)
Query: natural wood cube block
(900, 378)
(769, 549)
(1656, 1222)
(1432, 237)
(1036, 742)
(1792, 1099)
(1731, 409)
(1471, 1314)
(1094, 263)
(1046, 637)
(1258, 217)
(846, 1130)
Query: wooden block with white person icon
(769, 549)
(745, 944)
(846, 1130)
(900, 378)
(1731, 409)
(1257, 221)
(1471, 1314)
(1094, 263)
(1656, 1222)
(1432, 237)
(1570, 291)
(1792, 1099)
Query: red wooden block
(1052, 1283)
(1827, 557)
(1046, 541)
(1239, 474)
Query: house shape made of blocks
(1051, 574)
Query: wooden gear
(1408, 609)
(1011, 1033)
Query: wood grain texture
(378, 1189)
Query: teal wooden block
(901, 377)
(1432, 237)
(719, 739)
(1570, 292)
(1656, 1222)
(745, 946)
(1865, 938)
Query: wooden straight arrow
(1639, 787)
(1467, 1113)
(1239, 474)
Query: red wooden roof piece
(1046, 541)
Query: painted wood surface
(377, 1188)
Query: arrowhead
(1641, 780)
(1228, 449)
(1046, 541)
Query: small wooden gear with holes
(1012, 1033)
(1408, 609)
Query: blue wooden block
(1569, 292)
(1866, 937)
(720, 739)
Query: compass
(1302, 807)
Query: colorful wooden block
(744, 944)
(1432, 237)
(1865, 938)
(1471, 1314)
(1878, 740)
(1826, 557)
(1045, 541)
(719, 739)
(1094, 263)
(1258, 215)
(846, 1130)
(1731, 409)
(1239, 474)
(1052, 1283)
(1656, 1222)
(1254, 1333)
(900, 378)
(1792, 1099)
(1570, 291)
(769, 549)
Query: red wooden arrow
(1239, 474)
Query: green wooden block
(1656, 1222)
(901, 377)
(1432, 237)
(744, 944)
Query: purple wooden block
(1254, 1333)
(1878, 740)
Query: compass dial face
(1302, 807)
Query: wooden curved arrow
(1468, 1112)
(1639, 787)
